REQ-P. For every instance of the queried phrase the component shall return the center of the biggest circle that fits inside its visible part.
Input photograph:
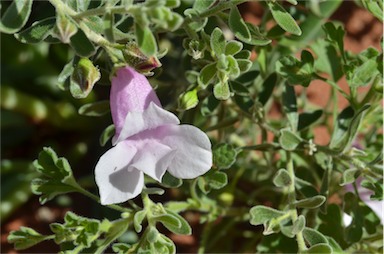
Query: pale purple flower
(148, 139)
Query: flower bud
(83, 78)
(138, 60)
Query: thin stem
(292, 198)
(225, 123)
(334, 85)
(192, 189)
(204, 238)
(97, 199)
(335, 106)
(261, 147)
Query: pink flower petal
(130, 92)
(153, 158)
(151, 118)
(193, 156)
(116, 181)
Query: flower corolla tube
(148, 139)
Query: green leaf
(64, 75)
(237, 25)
(335, 34)
(98, 108)
(289, 140)
(152, 234)
(314, 237)
(374, 7)
(321, 248)
(209, 104)
(115, 230)
(58, 178)
(172, 3)
(25, 238)
(138, 219)
(257, 38)
(146, 40)
(307, 119)
(107, 134)
(336, 249)
(188, 100)
(185, 228)
(299, 225)
(328, 59)
(202, 5)
(217, 42)
(347, 125)
(340, 132)
(275, 32)
(332, 225)
(349, 176)
(292, 230)
(221, 91)
(283, 18)
(177, 206)
(215, 180)
(238, 88)
(95, 23)
(174, 21)
(207, 74)
(233, 70)
(82, 45)
(276, 243)
(290, 106)
(170, 181)
(244, 102)
(163, 245)
(244, 54)
(37, 32)
(224, 155)
(262, 214)
(16, 16)
(311, 203)
(267, 88)
(78, 5)
(121, 248)
(363, 74)
(295, 71)
(375, 186)
(244, 64)
(282, 178)
(233, 47)
(174, 223)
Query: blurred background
(36, 113)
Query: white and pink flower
(148, 139)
